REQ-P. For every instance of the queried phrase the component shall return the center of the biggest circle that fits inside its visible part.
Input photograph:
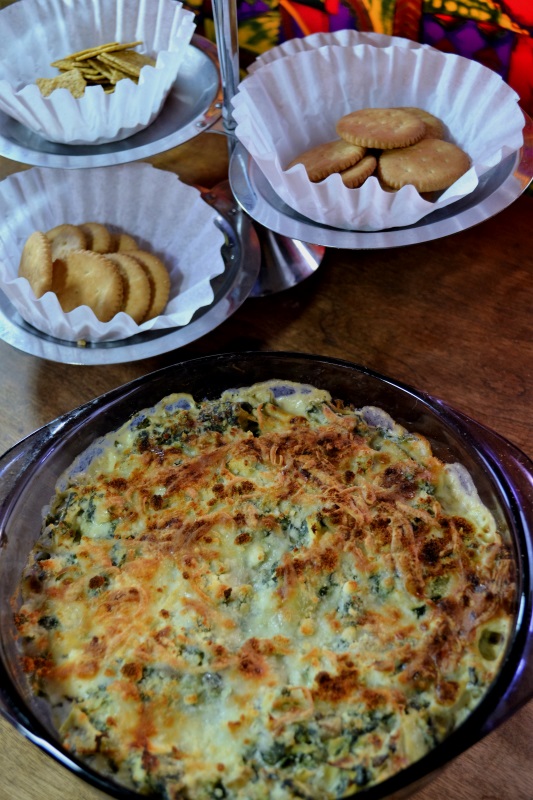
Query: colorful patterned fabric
(496, 33)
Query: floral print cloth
(496, 33)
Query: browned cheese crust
(266, 595)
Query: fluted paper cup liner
(34, 33)
(293, 103)
(345, 38)
(179, 228)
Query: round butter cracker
(159, 281)
(64, 238)
(36, 263)
(124, 242)
(325, 159)
(355, 176)
(430, 165)
(137, 289)
(382, 128)
(85, 278)
(435, 128)
(99, 238)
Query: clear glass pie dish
(503, 476)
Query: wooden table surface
(451, 317)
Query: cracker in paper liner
(35, 33)
(293, 103)
(180, 229)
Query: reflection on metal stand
(285, 262)
(226, 33)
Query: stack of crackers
(104, 65)
(401, 146)
(88, 265)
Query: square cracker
(102, 48)
(64, 63)
(111, 74)
(130, 62)
(72, 80)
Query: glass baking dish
(503, 476)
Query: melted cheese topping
(267, 595)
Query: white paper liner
(179, 228)
(345, 38)
(293, 103)
(34, 33)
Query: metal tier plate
(193, 105)
(496, 190)
(242, 255)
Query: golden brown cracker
(124, 242)
(72, 80)
(88, 66)
(435, 128)
(384, 186)
(327, 158)
(36, 263)
(128, 61)
(355, 176)
(91, 51)
(108, 47)
(159, 281)
(384, 128)
(137, 286)
(64, 238)
(99, 238)
(106, 73)
(64, 64)
(429, 165)
(90, 69)
(85, 278)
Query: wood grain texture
(451, 317)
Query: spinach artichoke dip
(268, 595)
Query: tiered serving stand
(279, 249)
(193, 106)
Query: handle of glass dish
(14, 463)
(509, 460)
(16, 460)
